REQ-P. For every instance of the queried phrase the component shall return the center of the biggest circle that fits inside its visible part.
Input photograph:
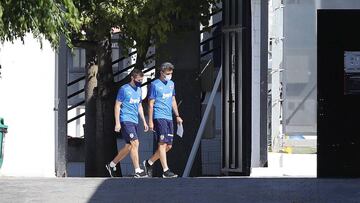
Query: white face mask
(167, 77)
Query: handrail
(201, 129)
(216, 12)
(82, 102)
(75, 93)
(115, 74)
(76, 105)
(76, 117)
(211, 26)
(202, 71)
(149, 69)
(129, 67)
(112, 63)
(122, 58)
(76, 81)
(123, 70)
(210, 39)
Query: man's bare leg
(156, 155)
(122, 153)
(134, 154)
(148, 163)
(111, 167)
(162, 152)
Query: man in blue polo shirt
(127, 109)
(162, 104)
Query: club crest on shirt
(162, 137)
(131, 135)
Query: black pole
(263, 81)
(236, 87)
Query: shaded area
(179, 190)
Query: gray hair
(166, 66)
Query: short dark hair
(166, 66)
(136, 72)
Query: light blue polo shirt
(162, 93)
(130, 97)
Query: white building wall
(256, 36)
(276, 10)
(27, 91)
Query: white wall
(276, 30)
(26, 103)
(255, 115)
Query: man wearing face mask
(127, 109)
(162, 104)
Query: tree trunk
(140, 60)
(90, 113)
(142, 49)
(100, 138)
(106, 148)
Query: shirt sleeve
(152, 92)
(121, 95)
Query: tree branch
(86, 44)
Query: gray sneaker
(141, 174)
(169, 174)
(111, 170)
(148, 168)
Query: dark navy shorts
(164, 131)
(129, 131)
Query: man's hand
(117, 127)
(151, 125)
(179, 120)
(146, 127)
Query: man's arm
(117, 115)
(176, 111)
(141, 112)
(151, 110)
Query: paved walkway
(249, 190)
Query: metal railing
(203, 122)
(114, 74)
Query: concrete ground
(288, 165)
(249, 190)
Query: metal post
(60, 109)
(263, 80)
(202, 126)
(236, 90)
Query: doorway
(338, 93)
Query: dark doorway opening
(338, 93)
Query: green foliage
(44, 18)
(140, 21)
